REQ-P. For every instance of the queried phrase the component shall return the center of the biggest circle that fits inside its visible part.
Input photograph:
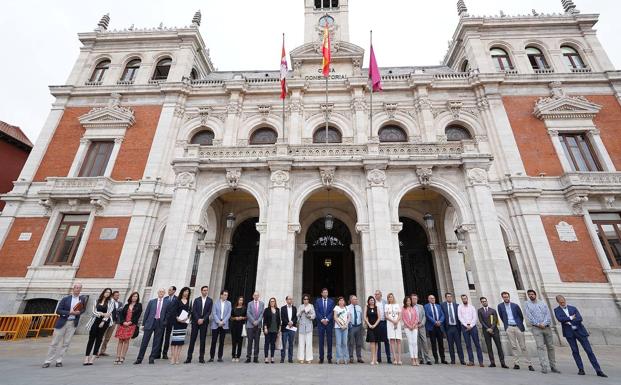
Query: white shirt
(74, 301)
(566, 310)
(290, 313)
(222, 309)
(380, 309)
(358, 314)
(204, 299)
(467, 315)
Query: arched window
(465, 66)
(319, 4)
(162, 69)
(204, 138)
(194, 74)
(536, 58)
(100, 70)
(334, 135)
(392, 133)
(129, 74)
(264, 135)
(456, 133)
(572, 58)
(501, 59)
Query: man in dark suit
(489, 322)
(288, 319)
(69, 310)
(169, 321)
(324, 308)
(201, 309)
(512, 318)
(452, 328)
(153, 324)
(574, 331)
(435, 328)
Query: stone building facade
(493, 171)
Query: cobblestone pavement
(20, 363)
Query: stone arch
(255, 122)
(400, 119)
(130, 57)
(213, 190)
(579, 47)
(193, 126)
(507, 229)
(343, 216)
(307, 189)
(450, 224)
(337, 121)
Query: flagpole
(327, 77)
(371, 91)
(283, 100)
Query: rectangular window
(579, 152)
(67, 240)
(96, 159)
(608, 228)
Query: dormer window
(162, 69)
(326, 4)
(100, 71)
(536, 58)
(131, 69)
(572, 58)
(501, 59)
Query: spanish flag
(325, 50)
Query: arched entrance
(241, 270)
(328, 260)
(416, 260)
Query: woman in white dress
(392, 311)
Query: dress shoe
(360, 361)
(481, 365)
(247, 360)
(581, 372)
(201, 360)
(321, 360)
(290, 360)
(555, 370)
(329, 360)
(59, 364)
(137, 362)
(389, 361)
(46, 365)
(282, 360)
(436, 362)
(444, 362)
(429, 363)
(530, 367)
(164, 357)
(492, 365)
(452, 362)
(601, 374)
(187, 361)
(351, 360)
(470, 364)
(219, 359)
(210, 360)
(256, 360)
(516, 367)
(151, 361)
(462, 362)
(504, 366)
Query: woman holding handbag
(129, 316)
(306, 315)
(238, 321)
(101, 316)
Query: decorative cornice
(110, 116)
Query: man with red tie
(154, 324)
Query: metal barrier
(13, 327)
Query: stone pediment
(565, 107)
(110, 116)
(340, 50)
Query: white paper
(184, 316)
(292, 328)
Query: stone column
(458, 270)
(298, 279)
(206, 262)
(492, 268)
(179, 245)
(275, 268)
(384, 242)
(369, 261)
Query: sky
(40, 45)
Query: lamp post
(230, 221)
(429, 222)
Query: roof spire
(462, 10)
(569, 6)
(196, 20)
(103, 22)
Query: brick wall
(609, 122)
(16, 256)
(133, 154)
(101, 257)
(576, 261)
(12, 159)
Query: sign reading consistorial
(109, 233)
(566, 232)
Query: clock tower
(319, 12)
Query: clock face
(326, 20)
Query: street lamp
(230, 221)
(329, 221)
(428, 218)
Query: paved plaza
(20, 363)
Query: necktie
(451, 316)
(325, 306)
(355, 316)
(435, 315)
(159, 308)
(256, 307)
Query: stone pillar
(179, 245)
(205, 265)
(298, 279)
(384, 242)
(294, 130)
(275, 268)
(458, 270)
(369, 260)
(492, 268)
(426, 120)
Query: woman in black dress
(371, 319)
(98, 324)
(271, 327)
(238, 319)
(181, 313)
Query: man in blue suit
(513, 320)
(201, 309)
(324, 307)
(574, 331)
(153, 322)
(452, 327)
(220, 316)
(69, 310)
(435, 328)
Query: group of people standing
(166, 319)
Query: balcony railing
(125, 82)
(93, 83)
(543, 71)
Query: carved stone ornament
(362, 228)
(390, 109)
(609, 201)
(327, 175)
(110, 116)
(454, 106)
(294, 228)
(99, 204)
(185, 179)
(264, 110)
(562, 106)
(396, 227)
(477, 176)
(424, 175)
(376, 177)
(261, 227)
(280, 178)
(577, 203)
(232, 177)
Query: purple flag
(374, 73)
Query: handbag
(244, 334)
(279, 341)
(136, 332)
